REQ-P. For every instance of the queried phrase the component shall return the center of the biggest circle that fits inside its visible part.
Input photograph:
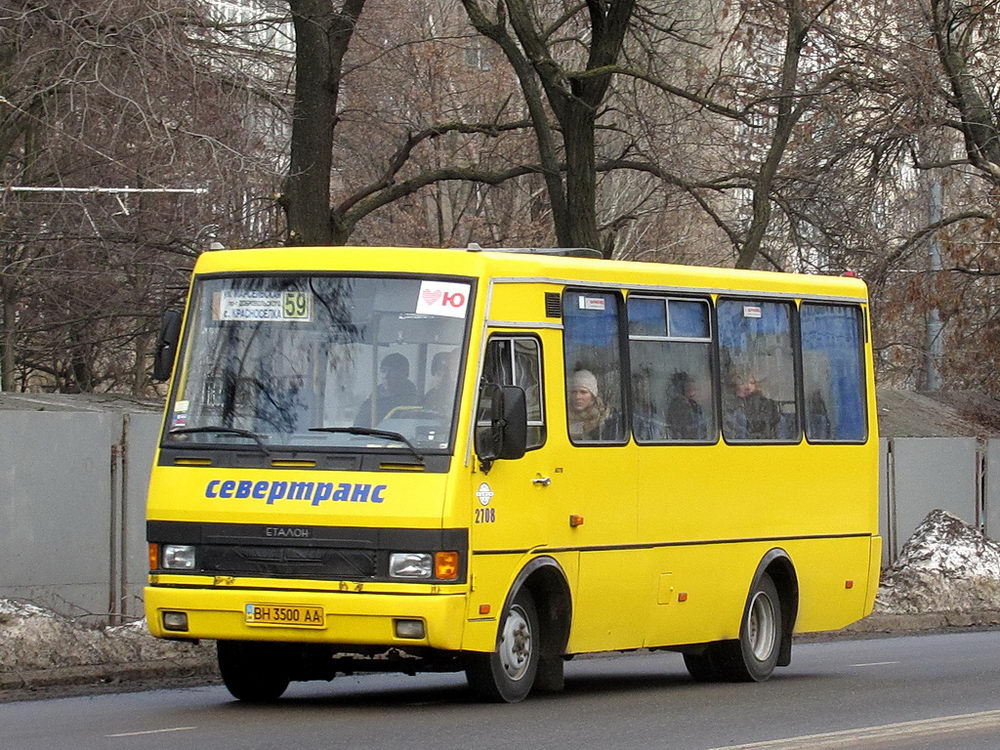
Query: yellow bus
(494, 460)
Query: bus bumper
(362, 619)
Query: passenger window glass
(647, 317)
(688, 319)
(833, 373)
(594, 387)
(516, 361)
(671, 378)
(757, 371)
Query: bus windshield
(321, 362)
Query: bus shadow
(456, 693)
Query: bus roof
(529, 266)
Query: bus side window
(833, 372)
(671, 358)
(757, 364)
(516, 360)
(595, 398)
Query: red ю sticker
(443, 298)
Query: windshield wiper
(226, 431)
(371, 432)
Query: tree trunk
(139, 368)
(322, 36)
(578, 227)
(952, 29)
(307, 187)
(9, 337)
(81, 369)
(789, 111)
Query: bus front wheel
(252, 672)
(752, 657)
(507, 674)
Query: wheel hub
(515, 645)
(761, 627)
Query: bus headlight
(178, 556)
(410, 565)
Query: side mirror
(513, 423)
(166, 344)
(505, 436)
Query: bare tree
(113, 95)
(966, 35)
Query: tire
(252, 672)
(701, 667)
(752, 657)
(507, 674)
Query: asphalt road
(934, 691)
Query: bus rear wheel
(752, 657)
(507, 674)
(252, 672)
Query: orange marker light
(446, 565)
(154, 556)
(484, 609)
(682, 597)
(575, 520)
(848, 584)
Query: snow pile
(945, 566)
(32, 637)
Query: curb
(189, 667)
(903, 623)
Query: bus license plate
(288, 615)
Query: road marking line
(151, 731)
(874, 664)
(864, 737)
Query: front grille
(312, 562)
(333, 553)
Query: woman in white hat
(589, 417)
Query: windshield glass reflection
(292, 359)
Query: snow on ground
(32, 637)
(946, 566)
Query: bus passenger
(646, 420)
(394, 389)
(749, 414)
(440, 397)
(685, 416)
(590, 419)
(817, 417)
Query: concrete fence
(72, 507)
(72, 503)
(956, 474)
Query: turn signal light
(154, 556)
(446, 565)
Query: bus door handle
(541, 481)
